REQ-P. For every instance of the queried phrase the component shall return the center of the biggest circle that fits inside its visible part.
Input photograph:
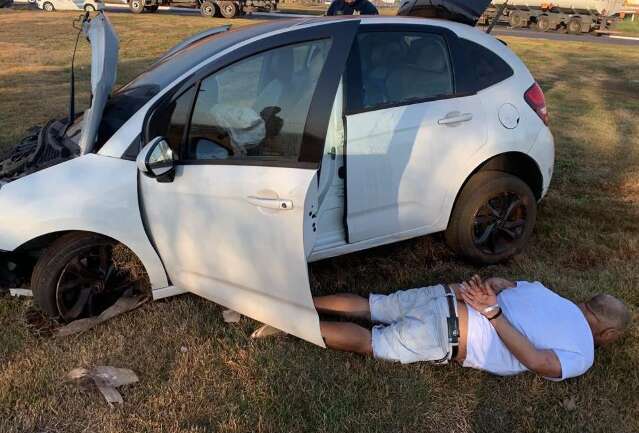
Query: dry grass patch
(199, 374)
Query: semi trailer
(573, 16)
(217, 8)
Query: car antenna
(81, 18)
(500, 10)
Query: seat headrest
(429, 55)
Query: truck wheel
(228, 9)
(78, 277)
(574, 26)
(543, 23)
(48, 7)
(137, 6)
(207, 9)
(493, 218)
(514, 21)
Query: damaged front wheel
(80, 275)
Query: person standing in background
(350, 7)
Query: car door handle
(454, 118)
(271, 203)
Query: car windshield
(127, 100)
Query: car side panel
(91, 193)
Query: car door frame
(342, 33)
(462, 74)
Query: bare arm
(480, 296)
(543, 362)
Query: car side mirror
(156, 160)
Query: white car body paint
(99, 193)
(400, 161)
(220, 238)
(71, 5)
(91, 193)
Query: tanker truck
(573, 16)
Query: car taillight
(535, 98)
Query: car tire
(48, 7)
(136, 6)
(493, 218)
(69, 262)
(207, 9)
(574, 27)
(89, 8)
(229, 9)
(543, 23)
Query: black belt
(453, 321)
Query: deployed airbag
(462, 11)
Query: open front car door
(229, 190)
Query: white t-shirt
(545, 318)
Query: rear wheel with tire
(493, 218)
(77, 277)
(574, 27)
(515, 21)
(229, 9)
(137, 6)
(543, 23)
(207, 9)
(48, 7)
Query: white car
(70, 5)
(243, 155)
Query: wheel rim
(48, 7)
(90, 283)
(208, 10)
(136, 5)
(229, 9)
(500, 223)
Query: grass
(198, 374)
(629, 27)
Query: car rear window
(489, 67)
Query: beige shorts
(413, 325)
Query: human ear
(609, 335)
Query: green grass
(586, 241)
(627, 26)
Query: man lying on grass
(494, 325)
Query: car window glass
(489, 67)
(170, 121)
(257, 107)
(399, 67)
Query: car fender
(541, 153)
(91, 193)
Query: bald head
(611, 318)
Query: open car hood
(462, 11)
(104, 62)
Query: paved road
(614, 40)
(500, 30)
